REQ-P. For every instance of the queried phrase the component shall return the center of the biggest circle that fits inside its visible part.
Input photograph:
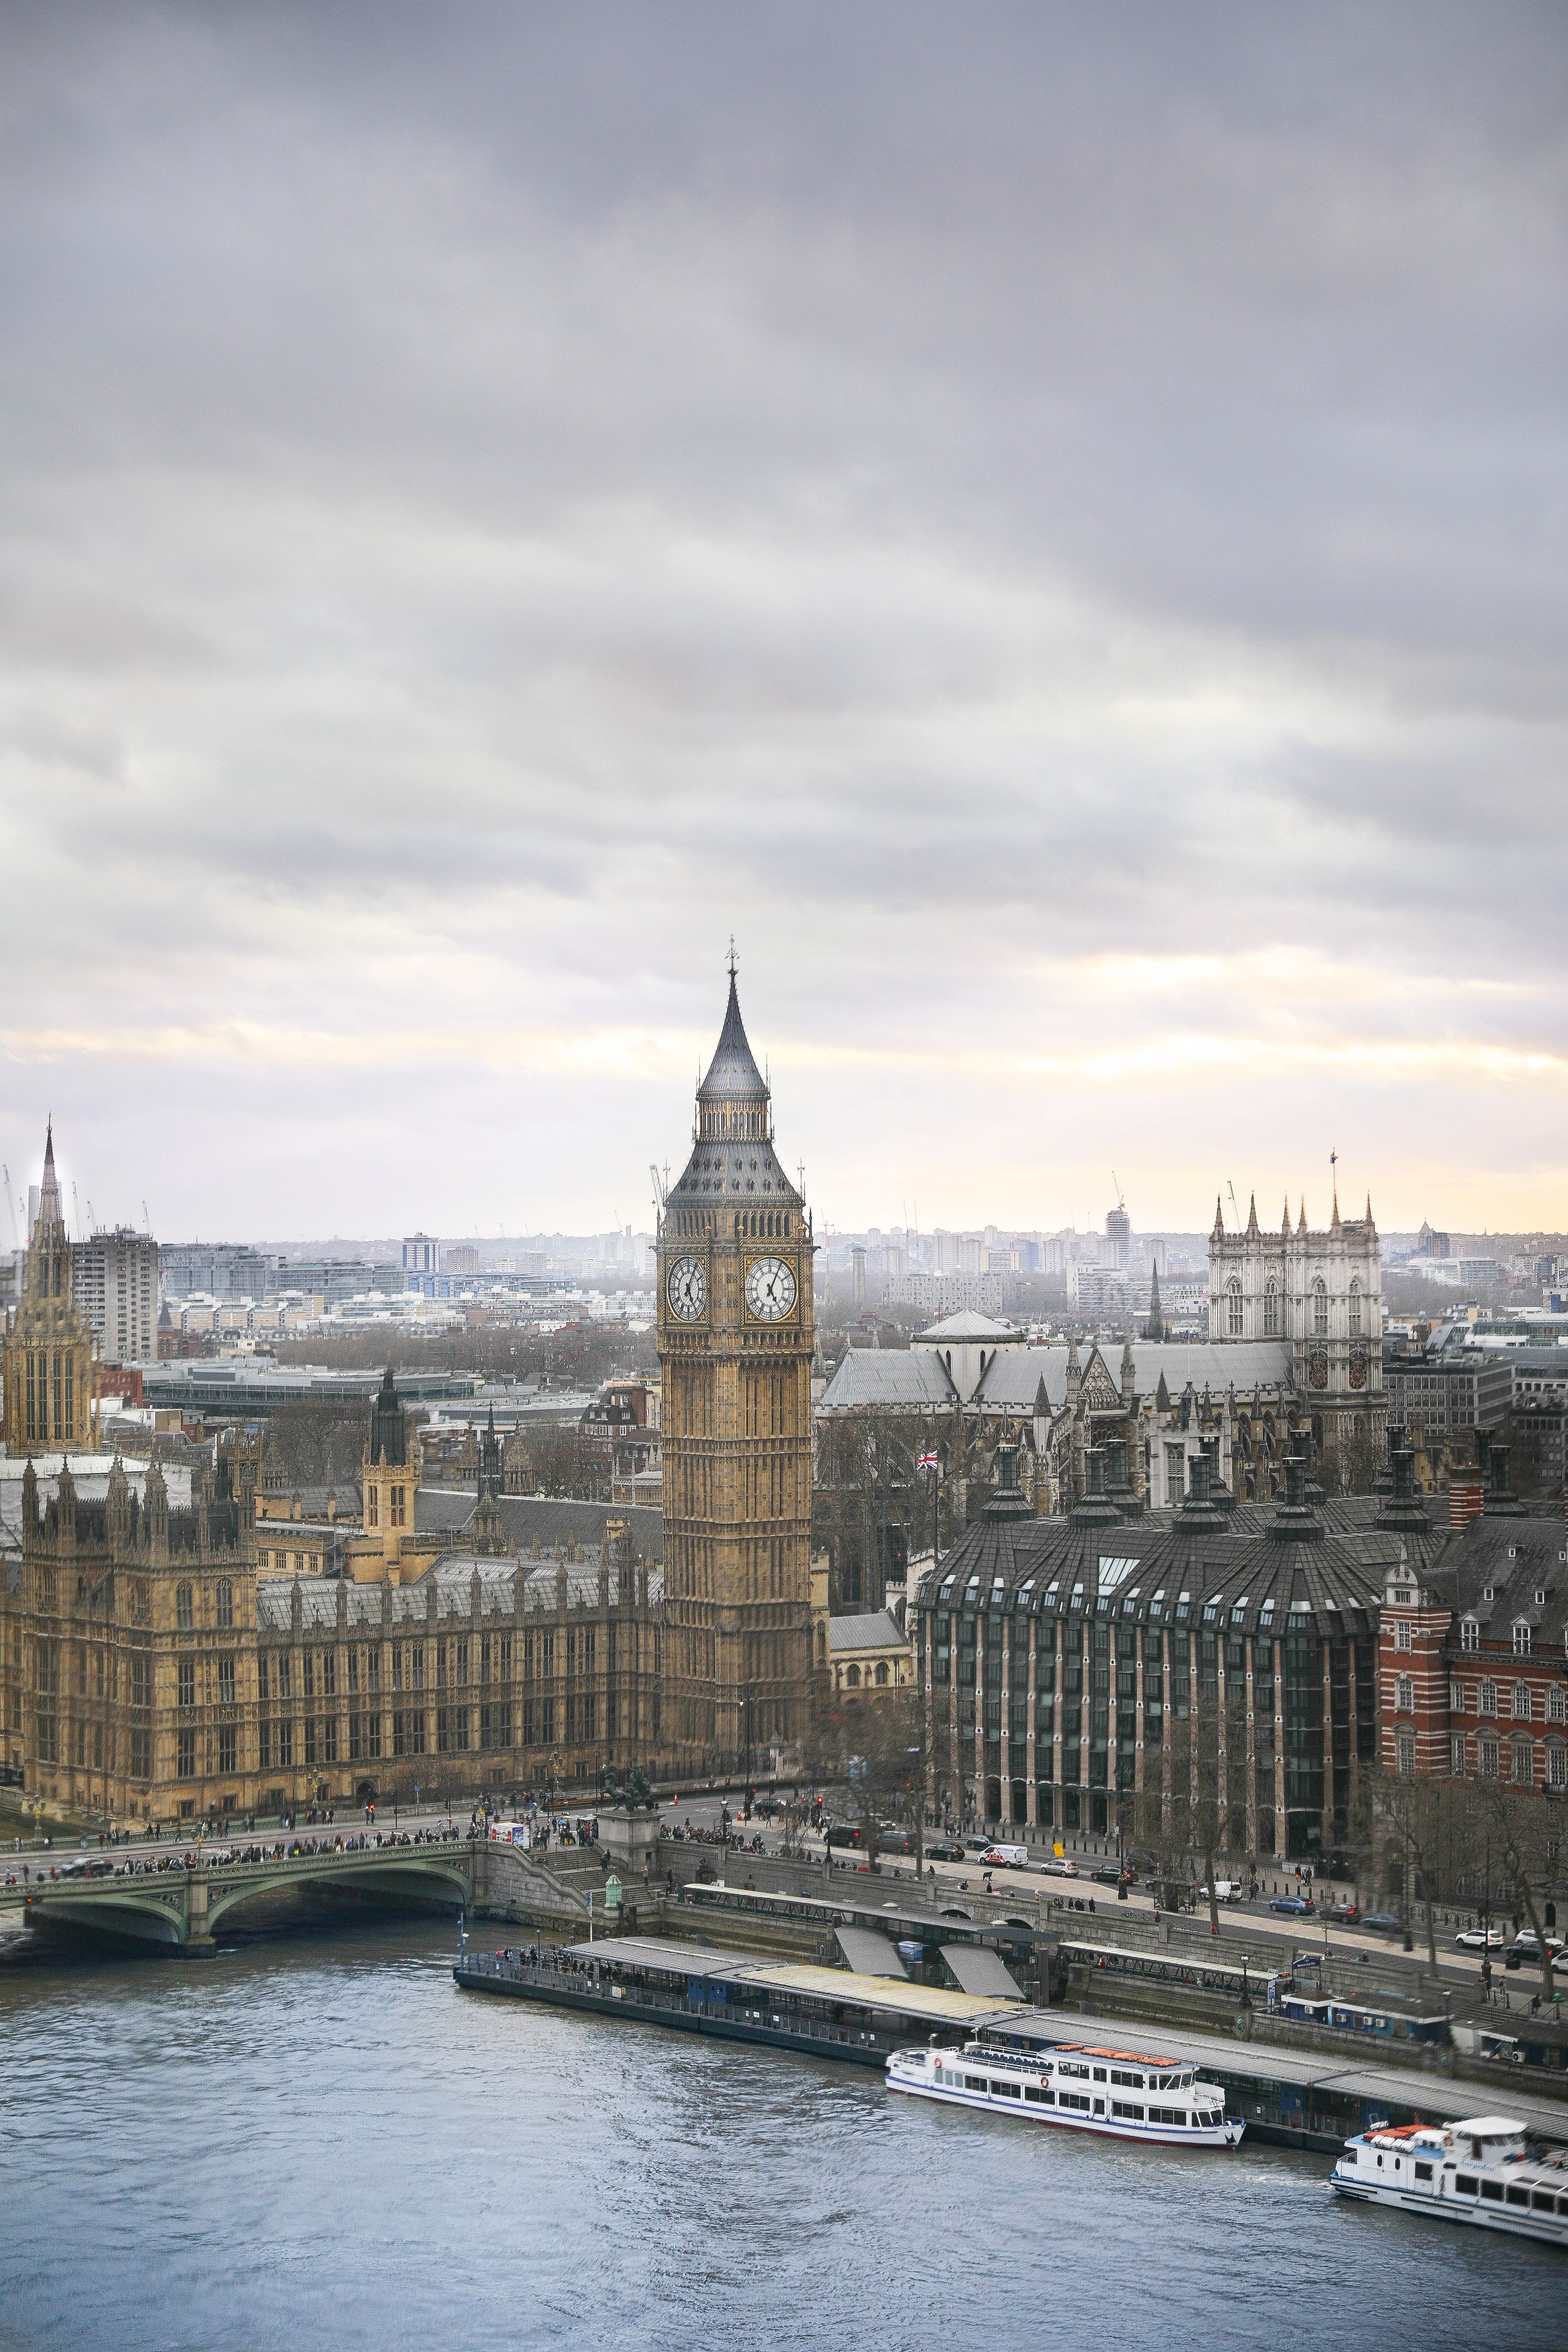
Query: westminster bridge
(177, 1901)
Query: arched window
(853, 1677)
(225, 1604)
(1320, 1309)
(1522, 1702)
(1271, 1310)
(1355, 1310)
(881, 1677)
(1235, 1311)
(183, 1606)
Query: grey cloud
(508, 496)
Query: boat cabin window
(1423, 2172)
(1463, 2184)
(1099, 2074)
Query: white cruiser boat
(1124, 2094)
(1478, 2171)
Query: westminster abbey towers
(735, 1338)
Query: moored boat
(1479, 2171)
(1080, 2087)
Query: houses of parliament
(152, 1668)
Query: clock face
(1318, 1371)
(770, 1289)
(1358, 1370)
(686, 1288)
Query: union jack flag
(926, 1461)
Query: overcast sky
(1049, 524)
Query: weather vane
(733, 959)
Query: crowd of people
(192, 1858)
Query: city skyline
(1078, 598)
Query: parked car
(1480, 1939)
(945, 1852)
(1056, 1868)
(1291, 1907)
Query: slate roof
(90, 1475)
(1518, 1556)
(912, 1380)
(1191, 1568)
(542, 1520)
(374, 1608)
(966, 1325)
(900, 1380)
(874, 1630)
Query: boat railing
(584, 1979)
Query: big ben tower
(735, 1338)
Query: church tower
(50, 1385)
(735, 1340)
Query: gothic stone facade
(48, 1376)
(1322, 1294)
(735, 1340)
(146, 1674)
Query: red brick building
(1473, 1651)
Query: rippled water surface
(325, 2143)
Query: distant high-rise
(116, 1277)
(1118, 1238)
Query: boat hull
(1227, 2134)
(1504, 2221)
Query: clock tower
(735, 1338)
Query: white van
(1013, 1857)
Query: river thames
(319, 2141)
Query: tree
(868, 1482)
(873, 1744)
(312, 1444)
(1426, 1823)
(1517, 1832)
(1194, 1798)
(564, 1462)
(1350, 1463)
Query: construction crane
(146, 1219)
(1121, 1197)
(660, 1186)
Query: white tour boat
(1478, 2171)
(1125, 2094)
